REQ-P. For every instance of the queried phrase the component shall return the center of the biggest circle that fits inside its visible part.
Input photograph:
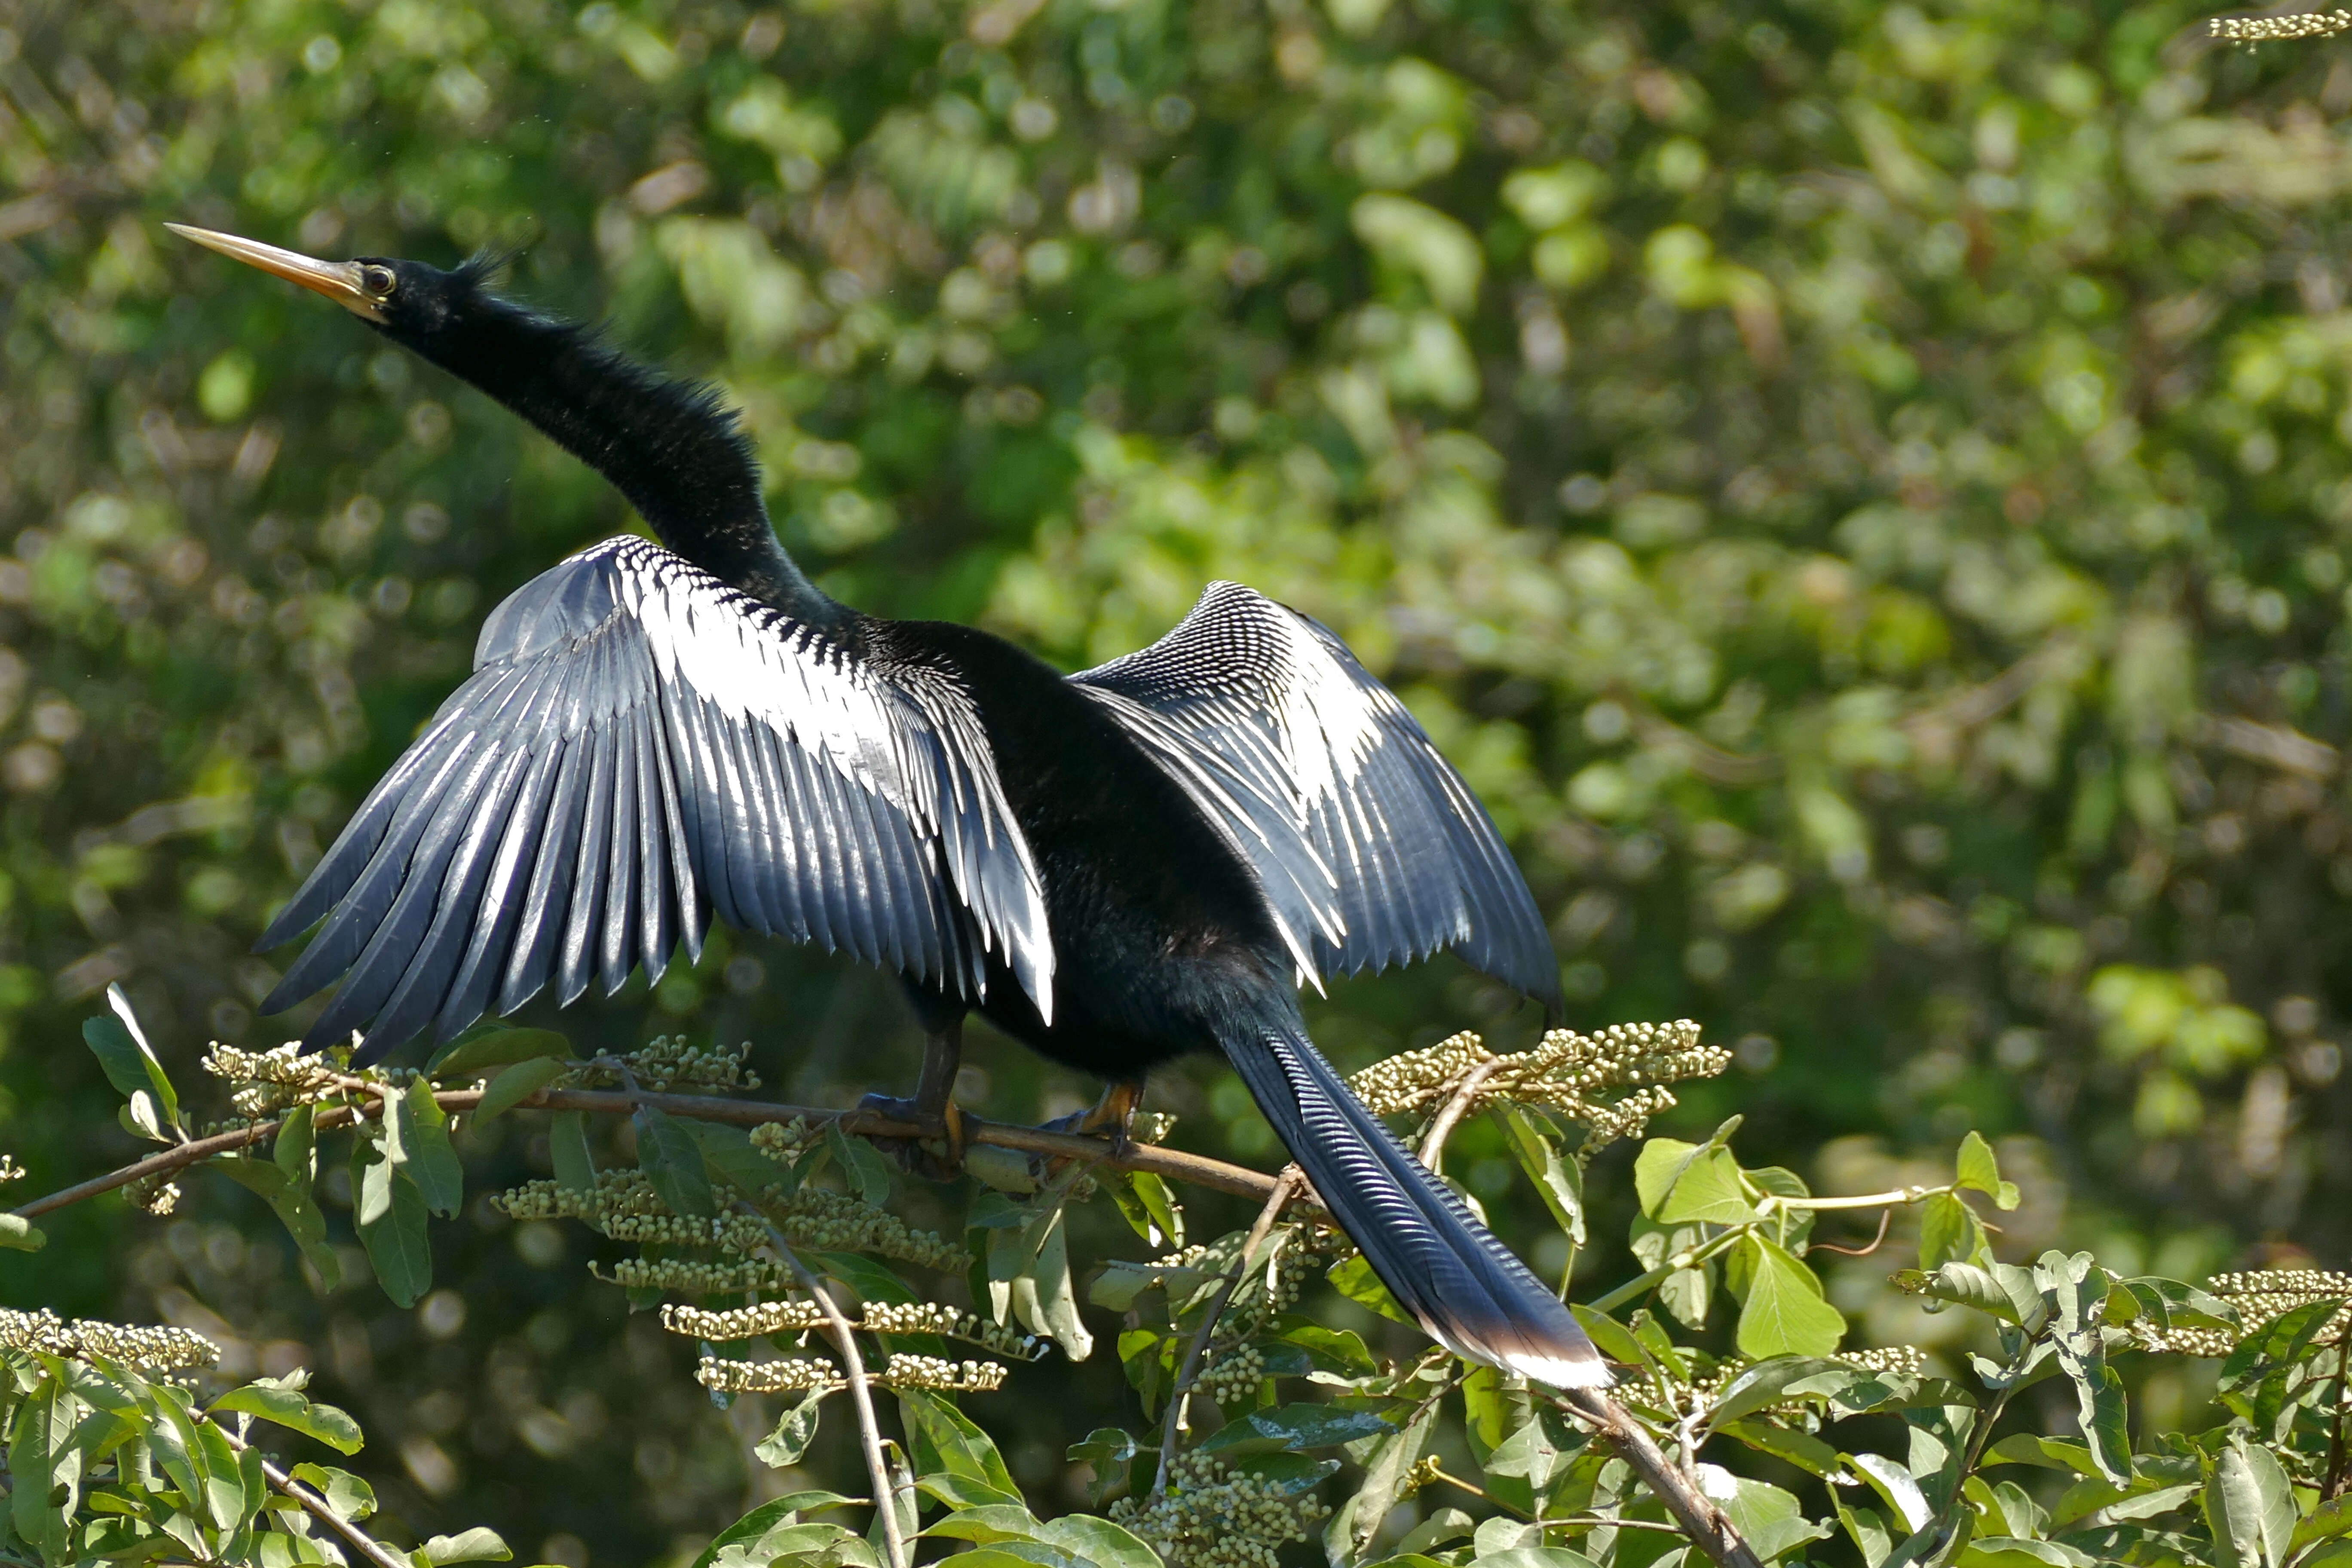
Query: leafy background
(1860, 489)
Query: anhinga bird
(1116, 868)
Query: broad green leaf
(45, 1466)
(18, 1234)
(1980, 1172)
(395, 1240)
(1353, 1278)
(1046, 1298)
(1387, 1466)
(1534, 1557)
(292, 1202)
(796, 1430)
(865, 1167)
(128, 1061)
(296, 1150)
(729, 1153)
(1559, 1179)
(1708, 1189)
(2077, 1289)
(1949, 1231)
(1662, 1162)
(517, 1084)
(1165, 1212)
(2048, 1453)
(761, 1524)
(289, 1408)
(1768, 1382)
(1895, 1483)
(1613, 1339)
(1535, 1454)
(480, 1544)
(346, 1493)
(567, 1148)
(1098, 1542)
(2004, 1290)
(490, 1045)
(373, 1164)
(432, 1163)
(942, 1437)
(1294, 1428)
(985, 1523)
(1112, 1453)
(672, 1160)
(2328, 1520)
(2012, 1552)
(1769, 1520)
(2250, 1508)
(1800, 1448)
(1785, 1313)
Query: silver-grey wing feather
(641, 747)
(1370, 846)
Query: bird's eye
(377, 279)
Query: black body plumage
(1116, 868)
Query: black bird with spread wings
(1116, 868)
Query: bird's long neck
(672, 447)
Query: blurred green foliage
(1860, 489)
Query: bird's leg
(1115, 1111)
(933, 1105)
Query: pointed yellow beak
(342, 281)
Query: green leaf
(1044, 1297)
(567, 1148)
(2047, 1453)
(296, 1150)
(1784, 1312)
(1353, 1278)
(18, 1234)
(432, 1163)
(1949, 1231)
(1978, 1172)
(729, 1153)
(2325, 1522)
(1534, 1557)
(1098, 1542)
(395, 1239)
(1387, 1466)
(1166, 1214)
(1770, 1520)
(288, 1407)
(943, 1438)
(292, 1202)
(480, 1544)
(672, 1160)
(517, 1084)
(1559, 1179)
(1294, 1428)
(45, 1466)
(1800, 1448)
(2250, 1508)
(492, 1046)
(796, 1430)
(1895, 1484)
(863, 1166)
(1707, 1189)
(2077, 1287)
(346, 1493)
(2012, 1552)
(1113, 1453)
(1662, 1162)
(128, 1061)
(756, 1527)
(2004, 1290)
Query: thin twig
(861, 1392)
(1885, 1218)
(1172, 1164)
(1700, 1519)
(1432, 1144)
(1178, 1395)
(317, 1507)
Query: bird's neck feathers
(673, 447)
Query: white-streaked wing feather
(1372, 849)
(640, 747)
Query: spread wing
(641, 746)
(1372, 849)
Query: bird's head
(408, 301)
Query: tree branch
(861, 1393)
(1433, 1143)
(317, 1507)
(1700, 1519)
(1172, 1164)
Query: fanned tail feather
(1463, 1286)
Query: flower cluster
(1892, 1360)
(619, 1194)
(2261, 1295)
(946, 1376)
(2280, 29)
(1579, 1075)
(1211, 1518)
(948, 1323)
(789, 1374)
(786, 1142)
(9, 1170)
(697, 1277)
(156, 1194)
(271, 1080)
(1235, 1377)
(786, 1316)
(836, 1222)
(148, 1348)
(668, 1062)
